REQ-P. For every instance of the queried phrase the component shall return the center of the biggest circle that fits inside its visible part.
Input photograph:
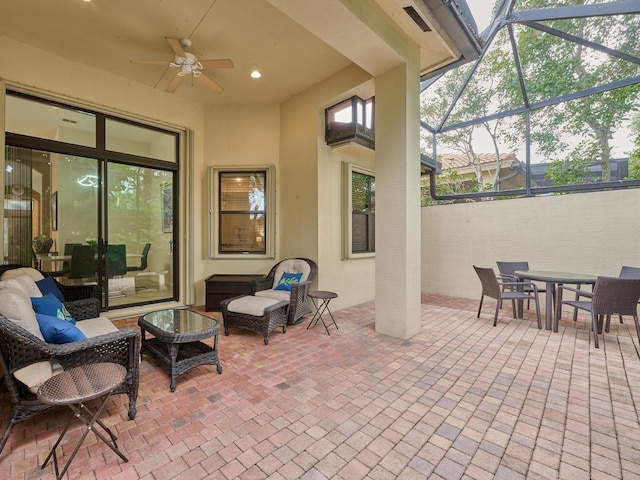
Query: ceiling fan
(188, 64)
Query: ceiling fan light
(196, 73)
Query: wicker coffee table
(176, 344)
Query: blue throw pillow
(48, 285)
(55, 330)
(50, 305)
(287, 280)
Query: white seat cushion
(251, 305)
(278, 295)
(93, 327)
(36, 374)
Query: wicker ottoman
(258, 314)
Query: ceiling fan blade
(173, 85)
(215, 86)
(176, 47)
(150, 62)
(219, 63)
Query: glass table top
(179, 321)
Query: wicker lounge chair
(298, 306)
(20, 348)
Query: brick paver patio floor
(460, 400)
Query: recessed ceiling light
(256, 74)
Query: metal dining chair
(143, 260)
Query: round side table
(75, 387)
(321, 301)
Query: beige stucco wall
(593, 233)
(311, 189)
(237, 135)
(289, 136)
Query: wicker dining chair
(610, 296)
(504, 290)
(508, 270)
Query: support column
(398, 202)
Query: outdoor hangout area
(285, 239)
(462, 399)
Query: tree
(477, 100)
(554, 66)
(571, 135)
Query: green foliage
(568, 172)
(449, 182)
(634, 155)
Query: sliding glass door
(139, 234)
(90, 198)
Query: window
(241, 219)
(360, 214)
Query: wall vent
(415, 16)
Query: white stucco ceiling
(294, 43)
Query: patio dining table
(552, 279)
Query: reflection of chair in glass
(68, 251)
(116, 264)
(83, 262)
(116, 260)
(143, 260)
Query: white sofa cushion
(29, 284)
(291, 265)
(16, 285)
(17, 272)
(17, 308)
(36, 374)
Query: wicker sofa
(27, 360)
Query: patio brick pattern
(460, 400)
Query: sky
(481, 10)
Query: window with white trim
(241, 211)
(360, 211)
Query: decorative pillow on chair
(48, 285)
(50, 305)
(288, 279)
(55, 330)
